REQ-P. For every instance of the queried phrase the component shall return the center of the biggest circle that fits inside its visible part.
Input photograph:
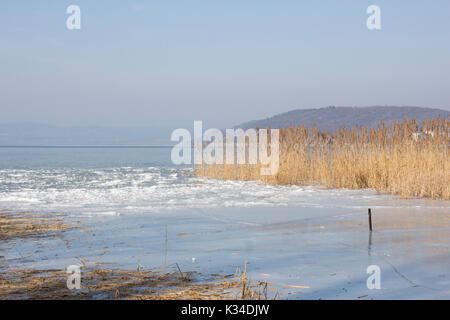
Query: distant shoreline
(87, 147)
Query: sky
(148, 63)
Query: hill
(332, 118)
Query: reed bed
(405, 159)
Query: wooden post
(370, 219)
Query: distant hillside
(332, 118)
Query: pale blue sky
(171, 62)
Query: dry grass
(393, 160)
(16, 225)
(102, 283)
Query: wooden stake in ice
(370, 219)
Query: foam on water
(128, 190)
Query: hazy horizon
(326, 118)
(181, 124)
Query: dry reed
(17, 225)
(405, 159)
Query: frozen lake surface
(326, 249)
(308, 242)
